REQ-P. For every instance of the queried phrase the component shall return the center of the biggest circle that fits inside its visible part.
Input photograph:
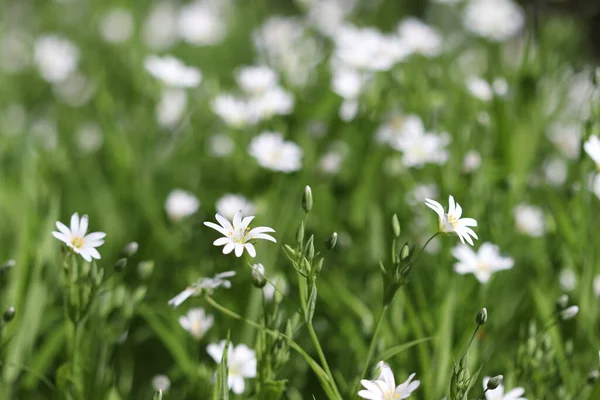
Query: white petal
(60, 236)
(83, 226)
(236, 384)
(218, 228)
(94, 253)
(75, 223)
(228, 248)
(222, 241)
(239, 249)
(251, 250)
(86, 255)
(63, 228)
(263, 236)
(95, 236)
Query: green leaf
(394, 351)
(221, 389)
(272, 390)
(312, 303)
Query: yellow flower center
(390, 395)
(453, 220)
(77, 242)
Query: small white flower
(180, 204)
(201, 23)
(256, 79)
(234, 111)
(273, 152)
(452, 222)
(241, 363)
(498, 393)
(567, 280)
(596, 286)
(592, 148)
(89, 137)
(429, 148)
(161, 383)
(482, 263)
(159, 31)
(566, 138)
(348, 110)
(56, 57)
(384, 387)
(172, 71)
(230, 204)
(274, 101)
(420, 37)
(197, 322)
(569, 313)
(275, 287)
(472, 161)
(495, 20)
(348, 83)
(203, 284)
(220, 145)
(237, 236)
(555, 171)
(116, 26)
(171, 108)
(331, 162)
(530, 220)
(480, 88)
(76, 238)
(398, 127)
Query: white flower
(530, 220)
(472, 161)
(594, 184)
(421, 192)
(171, 108)
(75, 90)
(592, 148)
(421, 150)
(89, 137)
(368, 49)
(241, 363)
(116, 25)
(275, 101)
(566, 138)
(234, 111)
(496, 20)
(203, 284)
(596, 285)
(201, 23)
(56, 57)
(172, 71)
(256, 79)
(567, 280)
(569, 313)
(196, 322)
(555, 171)
(273, 152)
(348, 110)
(384, 387)
(480, 88)
(420, 37)
(220, 145)
(331, 162)
(482, 263)
(277, 285)
(237, 235)
(498, 393)
(500, 86)
(160, 27)
(230, 204)
(76, 238)
(398, 127)
(161, 383)
(452, 221)
(180, 204)
(347, 82)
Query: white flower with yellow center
(482, 263)
(592, 148)
(452, 222)
(241, 363)
(76, 238)
(237, 234)
(197, 322)
(384, 387)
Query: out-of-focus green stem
(317, 344)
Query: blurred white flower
(76, 90)
(331, 162)
(159, 31)
(567, 138)
(89, 137)
(270, 291)
(15, 50)
(567, 280)
(44, 133)
(203, 284)
(384, 387)
(596, 285)
(472, 161)
(397, 127)
(161, 383)
(172, 71)
(273, 152)
(241, 363)
(500, 86)
(420, 37)
(594, 184)
(197, 322)
(181, 204)
(495, 20)
(368, 49)
(116, 25)
(234, 111)
(275, 101)
(555, 171)
(420, 192)
(237, 235)
(592, 148)
(348, 110)
(220, 145)
(452, 222)
(347, 82)
(256, 79)
(427, 148)
(76, 239)
(480, 88)
(482, 263)
(171, 108)
(56, 57)
(569, 313)
(530, 220)
(230, 204)
(327, 16)
(498, 393)
(201, 23)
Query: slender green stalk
(424, 246)
(317, 344)
(371, 351)
(482, 395)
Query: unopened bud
(120, 265)
(310, 248)
(9, 314)
(562, 302)
(396, 225)
(494, 382)
(405, 252)
(569, 313)
(307, 199)
(593, 377)
(145, 269)
(300, 234)
(130, 249)
(481, 318)
(331, 241)
(157, 395)
(258, 276)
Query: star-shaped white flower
(196, 322)
(482, 263)
(237, 235)
(76, 238)
(451, 222)
(384, 387)
(592, 148)
(498, 393)
(203, 284)
(241, 363)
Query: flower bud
(593, 377)
(482, 316)
(405, 252)
(130, 249)
(569, 313)
(562, 302)
(494, 382)
(307, 199)
(310, 248)
(300, 234)
(258, 276)
(331, 241)
(120, 265)
(9, 314)
(145, 269)
(158, 395)
(396, 225)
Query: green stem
(469, 344)
(482, 395)
(371, 351)
(317, 344)
(424, 246)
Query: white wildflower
(530, 220)
(482, 263)
(172, 72)
(273, 152)
(76, 238)
(117, 25)
(241, 363)
(180, 204)
(495, 20)
(197, 322)
(452, 222)
(56, 57)
(230, 204)
(384, 387)
(498, 393)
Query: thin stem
(482, 395)
(470, 342)
(317, 344)
(378, 325)
(424, 246)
